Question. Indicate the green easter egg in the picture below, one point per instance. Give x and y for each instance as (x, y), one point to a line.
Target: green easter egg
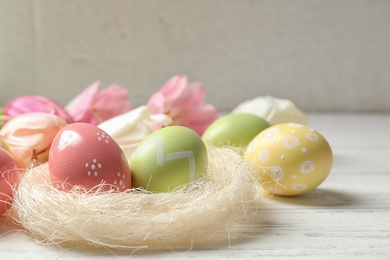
(168, 158)
(234, 130)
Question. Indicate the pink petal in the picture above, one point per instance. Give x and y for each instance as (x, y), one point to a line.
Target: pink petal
(174, 87)
(193, 94)
(157, 103)
(28, 104)
(111, 102)
(79, 107)
(198, 118)
(184, 103)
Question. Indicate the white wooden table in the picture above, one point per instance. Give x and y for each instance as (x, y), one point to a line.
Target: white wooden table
(347, 217)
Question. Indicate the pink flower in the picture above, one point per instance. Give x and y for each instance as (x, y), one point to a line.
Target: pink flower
(29, 136)
(28, 104)
(184, 103)
(94, 106)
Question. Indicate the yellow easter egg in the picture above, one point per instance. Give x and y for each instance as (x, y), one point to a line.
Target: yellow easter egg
(291, 159)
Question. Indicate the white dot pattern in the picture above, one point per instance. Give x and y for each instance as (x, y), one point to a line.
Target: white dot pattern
(92, 168)
(307, 167)
(312, 136)
(290, 142)
(275, 190)
(252, 146)
(103, 137)
(263, 155)
(277, 173)
(121, 180)
(299, 186)
(93, 171)
(271, 132)
(295, 125)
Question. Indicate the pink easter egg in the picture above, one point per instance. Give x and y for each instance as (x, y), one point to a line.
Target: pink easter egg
(84, 155)
(10, 174)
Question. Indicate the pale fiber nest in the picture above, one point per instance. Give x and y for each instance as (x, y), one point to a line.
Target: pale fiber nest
(136, 219)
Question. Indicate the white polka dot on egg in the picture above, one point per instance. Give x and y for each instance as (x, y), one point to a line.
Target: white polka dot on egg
(263, 155)
(294, 158)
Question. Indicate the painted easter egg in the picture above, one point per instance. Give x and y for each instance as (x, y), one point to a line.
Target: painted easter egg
(168, 158)
(84, 155)
(291, 159)
(10, 174)
(234, 130)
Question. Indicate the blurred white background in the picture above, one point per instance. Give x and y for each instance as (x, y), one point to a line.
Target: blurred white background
(324, 55)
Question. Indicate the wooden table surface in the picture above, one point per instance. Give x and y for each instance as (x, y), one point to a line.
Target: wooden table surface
(346, 217)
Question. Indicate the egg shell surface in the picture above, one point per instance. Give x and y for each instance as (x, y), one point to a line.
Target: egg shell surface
(84, 155)
(10, 174)
(235, 129)
(291, 159)
(168, 158)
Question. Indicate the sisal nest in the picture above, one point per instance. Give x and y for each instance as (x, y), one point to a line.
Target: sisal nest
(137, 219)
